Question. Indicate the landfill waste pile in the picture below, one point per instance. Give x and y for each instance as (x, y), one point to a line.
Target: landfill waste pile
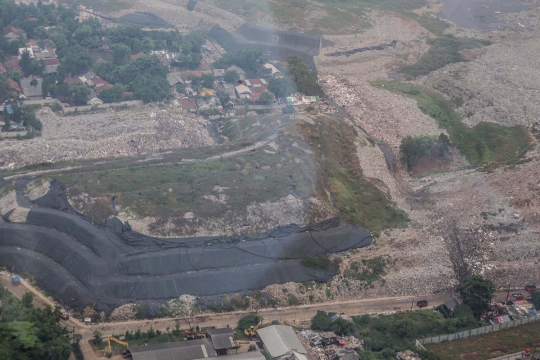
(109, 264)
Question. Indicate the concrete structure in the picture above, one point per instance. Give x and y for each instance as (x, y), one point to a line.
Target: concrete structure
(280, 340)
(32, 92)
(219, 72)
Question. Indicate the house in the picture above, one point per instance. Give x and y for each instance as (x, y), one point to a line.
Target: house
(51, 66)
(256, 82)
(218, 73)
(14, 88)
(100, 88)
(241, 73)
(242, 91)
(12, 33)
(27, 49)
(223, 339)
(280, 340)
(97, 82)
(47, 53)
(136, 56)
(175, 79)
(94, 101)
(12, 64)
(30, 91)
(73, 81)
(90, 75)
(270, 70)
(3, 69)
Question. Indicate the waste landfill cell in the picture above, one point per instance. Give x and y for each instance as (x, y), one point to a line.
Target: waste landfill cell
(109, 264)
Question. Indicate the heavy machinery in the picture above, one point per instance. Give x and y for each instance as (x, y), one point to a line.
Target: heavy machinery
(108, 350)
(193, 335)
(252, 330)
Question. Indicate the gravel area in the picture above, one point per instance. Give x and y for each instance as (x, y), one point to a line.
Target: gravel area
(105, 134)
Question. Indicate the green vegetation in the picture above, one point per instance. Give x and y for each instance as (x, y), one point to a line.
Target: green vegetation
(444, 50)
(248, 59)
(369, 270)
(322, 322)
(303, 77)
(412, 149)
(484, 144)
(23, 116)
(27, 333)
(477, 292)
(489, 346)
(385, 335)
(357, 198)
(248, 320)
(316, 262)
(170, 189)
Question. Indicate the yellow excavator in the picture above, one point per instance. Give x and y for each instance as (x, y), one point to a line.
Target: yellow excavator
(252, 330)
(108, 350)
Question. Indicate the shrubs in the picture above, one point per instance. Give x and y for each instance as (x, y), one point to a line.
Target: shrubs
(316, 262)
(248, 320)
(412, 149)
(444, 50)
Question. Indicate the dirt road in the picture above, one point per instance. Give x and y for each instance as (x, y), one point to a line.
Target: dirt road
(291, 315)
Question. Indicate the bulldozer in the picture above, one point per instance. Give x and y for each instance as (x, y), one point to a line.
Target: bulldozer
(108, 350)
(252, 330)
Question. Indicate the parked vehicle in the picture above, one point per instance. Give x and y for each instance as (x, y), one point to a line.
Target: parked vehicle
(422, 303)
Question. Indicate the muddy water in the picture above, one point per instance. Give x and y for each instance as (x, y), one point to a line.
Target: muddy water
(480, 14)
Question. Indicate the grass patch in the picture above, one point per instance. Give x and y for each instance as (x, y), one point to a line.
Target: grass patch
(444, 50)
(368, 270)
(432, 24)
(487, 144)
(316, 262)
(167, 190)
(357, 198)
(491, 345)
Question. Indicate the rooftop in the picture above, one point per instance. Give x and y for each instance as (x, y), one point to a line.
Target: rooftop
(222, 338)
(180, 350)
(280, 339)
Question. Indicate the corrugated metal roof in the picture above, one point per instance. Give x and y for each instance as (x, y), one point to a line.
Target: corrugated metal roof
(180, 350)
(252, 355)
(280, 339)
(223, 341)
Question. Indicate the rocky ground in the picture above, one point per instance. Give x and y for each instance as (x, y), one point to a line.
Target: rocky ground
(105, 134)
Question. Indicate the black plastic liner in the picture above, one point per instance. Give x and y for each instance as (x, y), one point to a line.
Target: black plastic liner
(109, 264)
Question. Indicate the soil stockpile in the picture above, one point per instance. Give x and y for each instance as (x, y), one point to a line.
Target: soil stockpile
(109, 264)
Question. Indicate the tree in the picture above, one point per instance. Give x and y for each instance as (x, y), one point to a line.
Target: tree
(225, 100)
(207, 81)
(149, 88)
(77, 338)
(249, 320)
(266, 98)
(282, 87)
(83, 35)
(477, 292)
(34, 84)
(15, 75)
(231, 76)
(112, 95)
(97, 337)
(321, 321)
(304, 78)
(27, 300)
(120, 52)
(76, 60)
(79, 94)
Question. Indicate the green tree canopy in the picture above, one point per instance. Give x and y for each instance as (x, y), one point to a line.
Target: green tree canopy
(477, 292)
(231, 76)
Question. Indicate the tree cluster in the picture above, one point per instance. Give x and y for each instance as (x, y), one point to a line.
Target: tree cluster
(413, 149)
(28, 333)
(249, 59)
(304, 77)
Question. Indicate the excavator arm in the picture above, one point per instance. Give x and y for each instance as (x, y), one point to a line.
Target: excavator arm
(109, 349)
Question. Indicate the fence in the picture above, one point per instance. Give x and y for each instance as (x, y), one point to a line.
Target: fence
(478, 331)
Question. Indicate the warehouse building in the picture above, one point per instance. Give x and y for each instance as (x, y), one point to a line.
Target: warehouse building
(280, 341)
